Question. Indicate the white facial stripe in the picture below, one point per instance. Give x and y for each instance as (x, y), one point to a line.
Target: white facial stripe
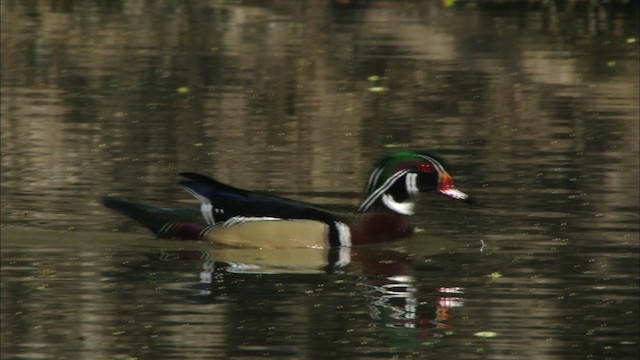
(411, 182)
(373, 179)
(433, 161)
(405, 208)
(381, 190)
(372, 198)
(205, 206)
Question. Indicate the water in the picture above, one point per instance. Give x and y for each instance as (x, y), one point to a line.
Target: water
(534, 105)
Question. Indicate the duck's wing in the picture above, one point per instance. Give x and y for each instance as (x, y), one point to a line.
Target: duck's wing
(220, 202)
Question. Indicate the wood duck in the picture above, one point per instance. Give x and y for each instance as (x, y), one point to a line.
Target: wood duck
(241, 218)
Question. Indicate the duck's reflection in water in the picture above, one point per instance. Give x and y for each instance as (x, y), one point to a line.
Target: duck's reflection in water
(381, 276)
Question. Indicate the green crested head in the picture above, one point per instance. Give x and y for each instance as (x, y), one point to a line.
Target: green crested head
(401, 175)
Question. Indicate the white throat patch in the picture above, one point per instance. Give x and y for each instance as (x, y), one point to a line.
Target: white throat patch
(404, 208)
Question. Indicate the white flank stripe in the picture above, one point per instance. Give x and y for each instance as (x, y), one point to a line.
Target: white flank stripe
(244, 219)
(344, 257)
(373, 179)
(205, 209)
(344, 234)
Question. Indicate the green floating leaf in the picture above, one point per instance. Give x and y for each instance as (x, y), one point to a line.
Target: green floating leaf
(183, 90)
(486, 334)
(494, 275)
(611, 63)
(373, 78)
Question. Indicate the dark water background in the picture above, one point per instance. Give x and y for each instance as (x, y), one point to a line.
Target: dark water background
(535, 104)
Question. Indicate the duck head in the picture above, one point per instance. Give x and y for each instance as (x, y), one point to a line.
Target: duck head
(397, 178)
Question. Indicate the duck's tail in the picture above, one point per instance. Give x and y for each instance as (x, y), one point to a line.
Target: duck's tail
(176, 223)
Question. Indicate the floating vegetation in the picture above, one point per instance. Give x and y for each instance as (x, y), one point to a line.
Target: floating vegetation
(373, 78)
(378, 89)
(486, 334)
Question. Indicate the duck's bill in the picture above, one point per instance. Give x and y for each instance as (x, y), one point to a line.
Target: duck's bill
(446, 188)
(457, 195)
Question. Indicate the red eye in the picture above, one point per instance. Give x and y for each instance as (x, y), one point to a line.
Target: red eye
(425, 167)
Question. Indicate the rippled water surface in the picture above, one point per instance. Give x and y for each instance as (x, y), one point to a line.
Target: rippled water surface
(534, 104)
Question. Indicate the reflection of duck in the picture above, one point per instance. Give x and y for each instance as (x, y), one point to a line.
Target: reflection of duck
(376, 261)
(243, 218)
(393, 296)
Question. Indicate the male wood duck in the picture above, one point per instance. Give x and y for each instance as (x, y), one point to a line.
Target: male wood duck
(241, 218)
